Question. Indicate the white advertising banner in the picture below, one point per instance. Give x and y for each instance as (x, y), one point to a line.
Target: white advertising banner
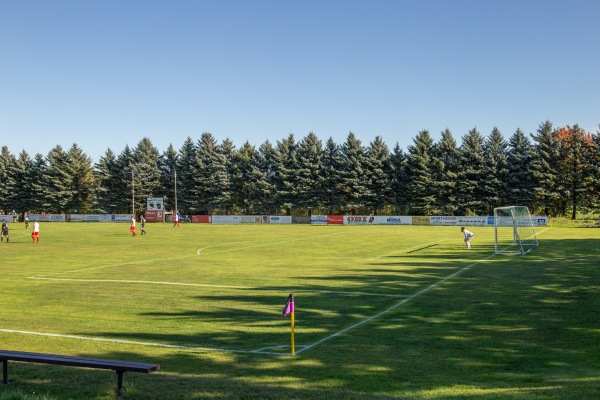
(47, 217)
(358, 219)
(318, 219)
(395, 220)
(249, 219)
(225, 219)
(280, 219)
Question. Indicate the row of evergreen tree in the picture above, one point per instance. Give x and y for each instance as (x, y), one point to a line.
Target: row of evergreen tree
(554, 172)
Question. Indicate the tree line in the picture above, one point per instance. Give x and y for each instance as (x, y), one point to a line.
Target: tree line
(554, 171)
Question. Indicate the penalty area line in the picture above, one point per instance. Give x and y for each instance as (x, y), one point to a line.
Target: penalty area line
(364, 321)
(137, 343)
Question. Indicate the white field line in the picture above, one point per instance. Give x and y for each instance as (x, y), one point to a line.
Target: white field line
(264, 244)
(218, 286)
(170, 346)
(407, 250)
(364, 321)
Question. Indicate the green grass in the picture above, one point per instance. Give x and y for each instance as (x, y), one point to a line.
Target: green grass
(205, 302)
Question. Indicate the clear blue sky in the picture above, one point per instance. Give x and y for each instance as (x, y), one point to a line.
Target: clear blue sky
(108, 73)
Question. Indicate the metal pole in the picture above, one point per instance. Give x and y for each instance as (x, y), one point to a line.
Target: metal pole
(175, 192)
(132, 194)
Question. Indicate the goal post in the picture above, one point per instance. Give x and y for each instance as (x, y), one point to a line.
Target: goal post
(513, 230)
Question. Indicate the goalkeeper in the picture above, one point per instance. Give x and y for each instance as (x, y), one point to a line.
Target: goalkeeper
(468, 236)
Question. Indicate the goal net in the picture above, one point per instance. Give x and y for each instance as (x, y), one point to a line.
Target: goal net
(513, 229)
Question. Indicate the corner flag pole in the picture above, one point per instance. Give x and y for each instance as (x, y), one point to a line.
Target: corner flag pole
(289, 309)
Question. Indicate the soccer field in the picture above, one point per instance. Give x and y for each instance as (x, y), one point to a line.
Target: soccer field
(380, 311)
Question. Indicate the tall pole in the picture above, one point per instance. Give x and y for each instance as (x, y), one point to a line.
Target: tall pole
(175, 192)
(132, 195)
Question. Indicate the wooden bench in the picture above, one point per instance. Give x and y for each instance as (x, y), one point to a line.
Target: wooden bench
(73, 361)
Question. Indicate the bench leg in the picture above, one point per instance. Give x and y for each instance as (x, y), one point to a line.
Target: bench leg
(119, 383)
(5, 371)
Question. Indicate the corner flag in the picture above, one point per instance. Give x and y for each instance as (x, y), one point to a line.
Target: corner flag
(289, 309)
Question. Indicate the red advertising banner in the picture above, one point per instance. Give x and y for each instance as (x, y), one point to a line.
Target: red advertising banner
(155, 215)
(202, 219)
(335, 220)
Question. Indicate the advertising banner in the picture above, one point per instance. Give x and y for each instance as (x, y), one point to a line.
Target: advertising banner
(155, 215)
(202, 219)
(539, 220)
(47, 217)
(280, 219)
(395, 220)
(300, 219)
(444, 220)
(250, 219)
(418, 220)
(225, 219)
(335, 220)
(475, 221)
(358, 219)
(318, 219)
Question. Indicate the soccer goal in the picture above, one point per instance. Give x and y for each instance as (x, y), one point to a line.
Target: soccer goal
(514, 231)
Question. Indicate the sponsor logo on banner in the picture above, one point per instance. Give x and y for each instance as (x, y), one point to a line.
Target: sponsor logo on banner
(249, 219)
(418, 220)
(225, 219)
(473, 221)
(202, 219)
(47, 217)
(398, 220)
(277, 219)
(359, 220)
(318, 219)
(155, 215)
(335, 219)
(300, 219)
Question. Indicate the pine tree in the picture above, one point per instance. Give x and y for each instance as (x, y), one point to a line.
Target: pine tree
(37, 183)
(82, 182)
(168, 166)
(445, 166)
(22, 196)
(108, 177)
(125, 189)
(520, 182)
(186, 162)
(58, 179)
(309, 189)
(472, 173)
(420, 166)
(378, 170)
(285, 177)
(145, 165)
(400, 181)
(250, 185)
(211, 178)
(545, 169)
(353, 180)
(495, 171)
(267, 164)
(332, 165)
(595, 171)
(7, 160)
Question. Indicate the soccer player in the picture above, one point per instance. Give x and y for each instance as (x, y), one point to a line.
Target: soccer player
(142, 224)
(4, 231)
(35, 235)
(26, 219)
(176, 217)
(132, 228)
(468, 236)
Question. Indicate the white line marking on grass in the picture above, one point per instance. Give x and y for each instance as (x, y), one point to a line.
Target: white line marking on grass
(263, 244)
(408, 249)
(428, 288)
(218, 286)
(122, 341)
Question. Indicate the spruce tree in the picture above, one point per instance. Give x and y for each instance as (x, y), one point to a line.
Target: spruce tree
(185, 178)
(38, 186)
(285, 177)
(267, 165)
(472, 172)
(445, 169)
(125, 189)
(353, 180)
(520, 181)
(168, 166)
(309, 190)
(545, 168)
(146, 161)
(7, 161)
(378, 170)
(108, 178)
(211, 179)
(400, 181)
(496, 172)
(420, 167)
(332, 165)
(250, 186)
(82, 181)
(58, 179)
(22, 196)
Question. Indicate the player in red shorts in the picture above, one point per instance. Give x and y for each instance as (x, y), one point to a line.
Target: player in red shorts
(132, 229)
(35, 235)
